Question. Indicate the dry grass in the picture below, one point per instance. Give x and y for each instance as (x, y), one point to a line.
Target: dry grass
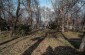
(4, 37)
(52, 41)
(71, 34)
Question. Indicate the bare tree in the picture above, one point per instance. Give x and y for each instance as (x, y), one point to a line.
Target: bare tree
(30, 11)
(17, 16)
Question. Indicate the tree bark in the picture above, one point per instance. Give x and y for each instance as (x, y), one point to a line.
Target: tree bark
(30, 11)
(82, 45)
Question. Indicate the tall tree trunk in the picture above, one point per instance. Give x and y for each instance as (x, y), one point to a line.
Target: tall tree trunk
(0, 13)
(62, 15)
(17, 16)
(82, 45)
(30, 11)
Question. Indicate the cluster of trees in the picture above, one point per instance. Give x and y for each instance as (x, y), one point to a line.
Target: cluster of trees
(67, 14)
(18, 13)
(26, 15)
(70, 14)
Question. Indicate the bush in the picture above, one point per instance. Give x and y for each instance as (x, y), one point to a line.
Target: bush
(22, 29)
(52, 25)
(3, 24)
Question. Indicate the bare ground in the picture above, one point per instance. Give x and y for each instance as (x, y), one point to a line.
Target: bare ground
(34, 44)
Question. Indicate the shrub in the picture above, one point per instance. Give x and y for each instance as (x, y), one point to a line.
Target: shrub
(3, 24)
(52, 25)
(22, 29)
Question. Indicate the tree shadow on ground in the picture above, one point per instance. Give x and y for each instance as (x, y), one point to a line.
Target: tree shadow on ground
(61, 50)
(17, 38)
(73, 41)
(8, 40)
(13, 43)
(49, 51)
(34, 31)
(34, 46)
(65, 50)
(36, 38)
